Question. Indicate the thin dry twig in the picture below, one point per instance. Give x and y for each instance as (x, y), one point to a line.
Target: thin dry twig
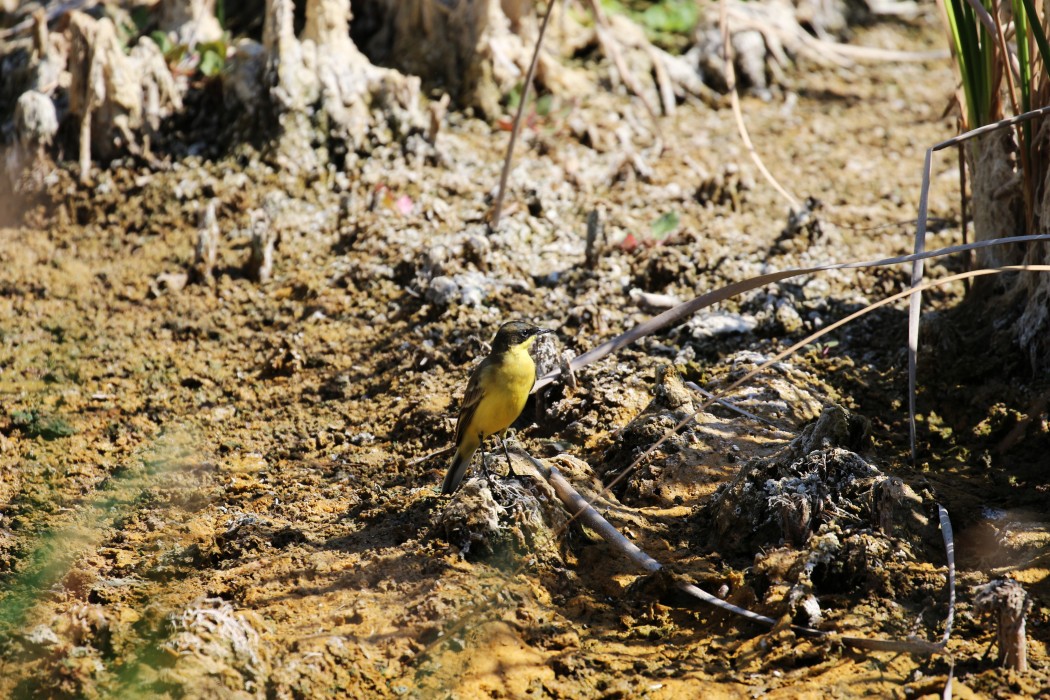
(915, 302)
(497, 207)
(738, 114)
(949, 555)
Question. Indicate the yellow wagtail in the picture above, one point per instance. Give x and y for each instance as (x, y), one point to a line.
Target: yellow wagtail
(496, 393)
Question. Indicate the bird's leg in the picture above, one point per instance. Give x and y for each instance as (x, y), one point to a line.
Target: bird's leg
(484, 464)
(510, 467)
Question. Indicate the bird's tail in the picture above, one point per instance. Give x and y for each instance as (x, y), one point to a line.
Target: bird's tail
(457, 469)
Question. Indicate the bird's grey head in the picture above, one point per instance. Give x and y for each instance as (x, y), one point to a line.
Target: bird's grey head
(514, 333)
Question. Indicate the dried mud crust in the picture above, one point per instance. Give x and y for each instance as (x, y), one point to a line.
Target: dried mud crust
(213, 489)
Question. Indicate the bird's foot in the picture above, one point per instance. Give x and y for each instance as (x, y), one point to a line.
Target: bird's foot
(506, 453)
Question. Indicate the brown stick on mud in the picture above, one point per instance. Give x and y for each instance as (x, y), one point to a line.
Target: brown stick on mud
(1007, 600)
(579, 508)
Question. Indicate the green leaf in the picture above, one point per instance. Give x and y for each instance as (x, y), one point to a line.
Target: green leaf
(666, 224)
(176, 54)
(514, 98)
(676, 16)
(162, 41)
(544, 105)
(212, 62)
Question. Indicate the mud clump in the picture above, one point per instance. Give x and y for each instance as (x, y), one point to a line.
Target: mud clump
(672, 403)
(472, 519)
(488, 515)
(809, 486)
(823, 519)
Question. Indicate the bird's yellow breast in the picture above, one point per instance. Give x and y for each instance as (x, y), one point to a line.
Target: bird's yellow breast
(507, 383)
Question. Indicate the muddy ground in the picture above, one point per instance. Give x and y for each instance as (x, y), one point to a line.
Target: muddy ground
(217, 490)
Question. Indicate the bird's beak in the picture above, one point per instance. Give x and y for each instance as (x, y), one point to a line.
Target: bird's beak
(543, 331)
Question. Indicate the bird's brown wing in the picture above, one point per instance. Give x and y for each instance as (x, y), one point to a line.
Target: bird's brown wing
(471, 399)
